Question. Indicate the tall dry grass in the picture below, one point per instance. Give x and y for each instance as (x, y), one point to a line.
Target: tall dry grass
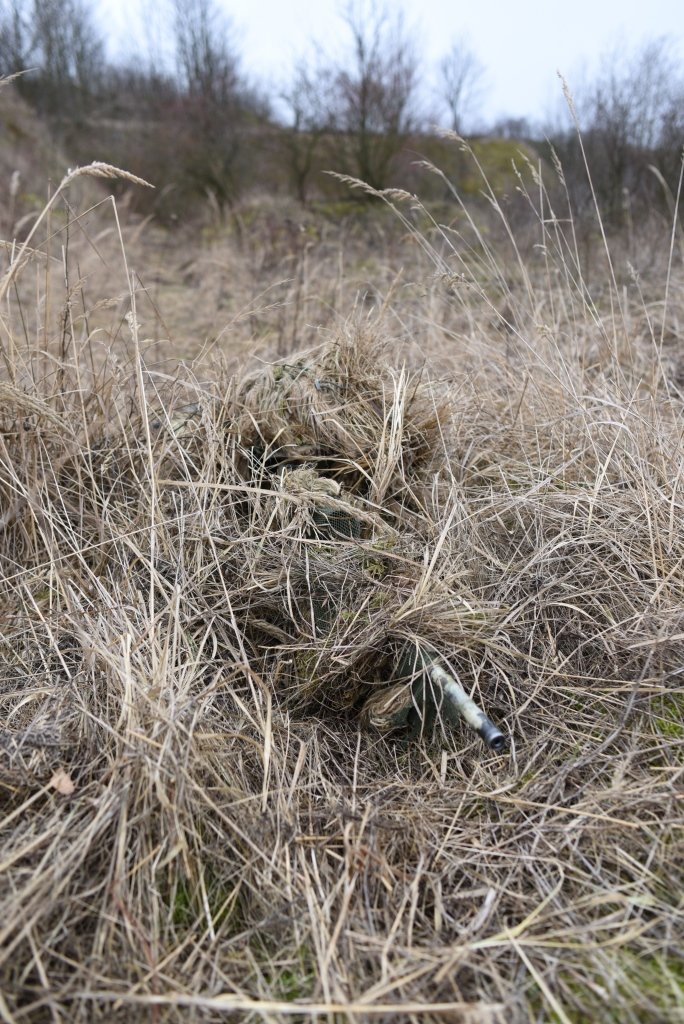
(194, 825)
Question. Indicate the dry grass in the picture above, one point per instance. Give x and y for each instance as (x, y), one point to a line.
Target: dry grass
(195, 827)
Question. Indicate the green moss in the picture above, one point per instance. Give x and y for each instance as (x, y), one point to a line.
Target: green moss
(339, 209)
(306, 664)
(291, 978)
(375, 568)
(388, 543)
(348, 615)
(496, 158)
(668, 716)
(182, 913)
(652, 987)
(292, 984)
(186, 903)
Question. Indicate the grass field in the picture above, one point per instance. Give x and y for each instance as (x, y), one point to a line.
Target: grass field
(195, 824)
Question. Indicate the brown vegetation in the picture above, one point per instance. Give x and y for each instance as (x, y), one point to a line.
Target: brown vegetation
(194, 825)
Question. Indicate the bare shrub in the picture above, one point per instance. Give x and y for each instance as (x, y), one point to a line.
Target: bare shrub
(630, 115)
(462, 83)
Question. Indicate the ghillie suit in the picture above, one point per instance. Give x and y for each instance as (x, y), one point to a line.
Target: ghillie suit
(352, 450)
(293, 525)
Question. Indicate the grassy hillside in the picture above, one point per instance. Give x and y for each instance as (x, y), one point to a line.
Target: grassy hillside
(387, 438)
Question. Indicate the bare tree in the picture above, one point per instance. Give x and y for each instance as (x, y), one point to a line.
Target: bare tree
(15, 37)
(309, 121)
(372, 96)
(215, 101)
(208, 65)
(631, 117)
(669, 151)
(462, 84)
(59, 39)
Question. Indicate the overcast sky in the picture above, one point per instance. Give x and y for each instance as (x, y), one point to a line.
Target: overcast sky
(521, 43)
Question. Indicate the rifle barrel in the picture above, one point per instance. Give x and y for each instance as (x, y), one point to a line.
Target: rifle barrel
(460, 701)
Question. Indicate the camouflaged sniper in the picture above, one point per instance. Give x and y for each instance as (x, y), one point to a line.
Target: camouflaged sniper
(340, 440)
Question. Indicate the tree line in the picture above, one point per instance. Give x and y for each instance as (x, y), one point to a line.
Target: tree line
(197, 126)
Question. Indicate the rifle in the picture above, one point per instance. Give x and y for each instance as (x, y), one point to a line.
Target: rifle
(426, 693)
